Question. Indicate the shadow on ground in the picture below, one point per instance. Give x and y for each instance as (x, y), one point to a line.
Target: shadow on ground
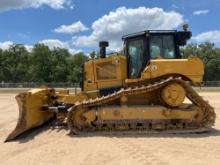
(54, 127)
(158, 134)
(51, 126)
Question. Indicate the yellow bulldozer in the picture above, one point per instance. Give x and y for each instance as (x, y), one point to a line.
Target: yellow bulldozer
(142, 89)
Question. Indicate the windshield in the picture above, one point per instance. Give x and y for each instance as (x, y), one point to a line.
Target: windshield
(135, 53)
(162, 46)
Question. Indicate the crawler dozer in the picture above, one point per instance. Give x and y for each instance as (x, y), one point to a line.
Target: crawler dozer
(142, 89)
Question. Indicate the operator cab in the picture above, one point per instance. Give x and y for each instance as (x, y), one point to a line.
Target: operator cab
(140, 47)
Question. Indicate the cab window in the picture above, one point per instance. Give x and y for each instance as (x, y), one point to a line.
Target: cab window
(162, 46)
(135, 54)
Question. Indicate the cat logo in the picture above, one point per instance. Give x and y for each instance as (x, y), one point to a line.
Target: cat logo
(154, 67)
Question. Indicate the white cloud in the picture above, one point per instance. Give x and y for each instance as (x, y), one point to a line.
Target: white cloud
(73, 28)
(29, 47)
(20, 4)
(178, 6)
(122, 21)
(5, 45)
(74, 51)
(211, 36)
(55, 43)
(200, 12)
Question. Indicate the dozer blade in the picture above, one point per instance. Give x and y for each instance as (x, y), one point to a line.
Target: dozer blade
(31, 114)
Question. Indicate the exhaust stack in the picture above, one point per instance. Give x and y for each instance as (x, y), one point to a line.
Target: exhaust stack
(103, 45)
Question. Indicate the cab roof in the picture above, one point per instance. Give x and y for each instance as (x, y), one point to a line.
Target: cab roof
(142, 33)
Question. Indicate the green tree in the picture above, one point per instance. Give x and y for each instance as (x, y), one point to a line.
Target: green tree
(213, 70)
(41, 64)
(75, 63)
(93, 55)
(210, 56)
(15, 63)
(1, 66)
(60, 64)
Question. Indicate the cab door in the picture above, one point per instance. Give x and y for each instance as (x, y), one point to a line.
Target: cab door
(136, 55)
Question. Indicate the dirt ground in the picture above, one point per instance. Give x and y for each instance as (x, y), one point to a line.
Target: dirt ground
(54, 146)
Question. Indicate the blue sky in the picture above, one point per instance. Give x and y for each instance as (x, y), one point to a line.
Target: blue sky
(78, 25)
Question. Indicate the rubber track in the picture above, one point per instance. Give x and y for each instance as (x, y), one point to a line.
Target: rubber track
(207, 109)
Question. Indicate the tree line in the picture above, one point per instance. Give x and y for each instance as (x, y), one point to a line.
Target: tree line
(39, 65)
(58, 65)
